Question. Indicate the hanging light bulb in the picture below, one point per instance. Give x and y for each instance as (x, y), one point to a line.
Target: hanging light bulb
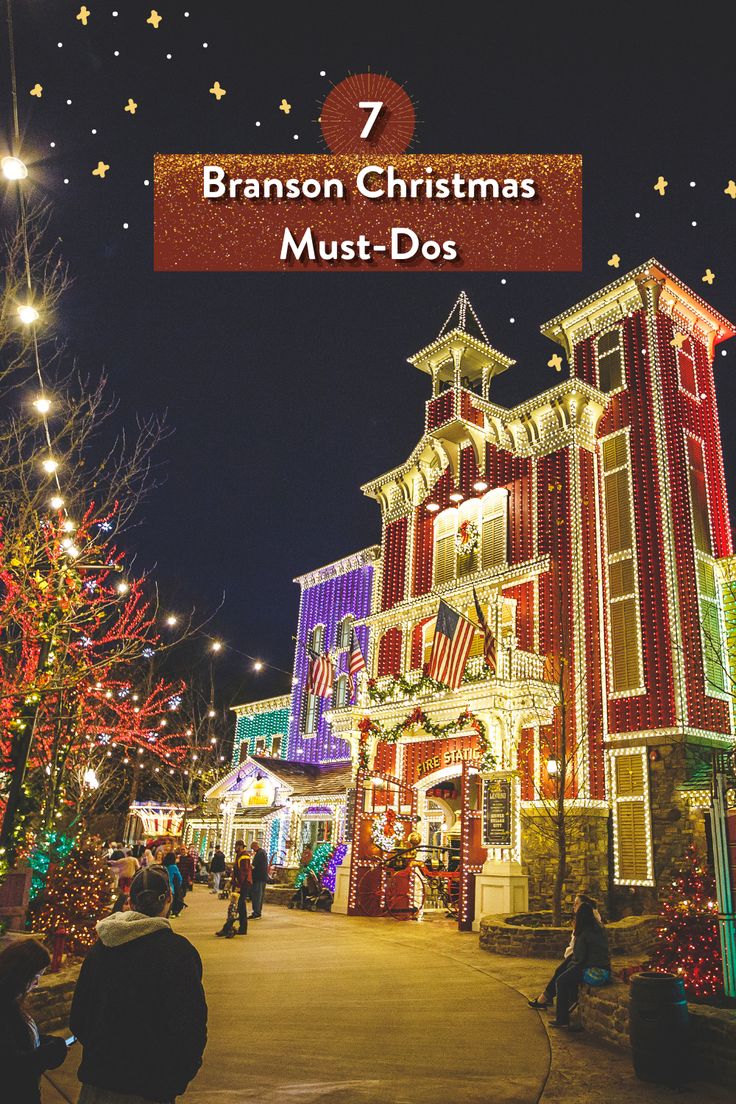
(432, 507)
(456, 496)
(552, 766)
(216, 645)
(171, 620)
(13, 168)
(258, 665)
(56, 502)
(211, 713)
(90, 779)
(42, 404)
(27, 314)
(68, 526)
(49, 465)
(122, 588)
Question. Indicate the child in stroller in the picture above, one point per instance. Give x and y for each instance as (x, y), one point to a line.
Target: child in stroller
(311, 895)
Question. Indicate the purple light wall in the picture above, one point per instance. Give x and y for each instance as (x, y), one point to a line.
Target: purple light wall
(326, 603)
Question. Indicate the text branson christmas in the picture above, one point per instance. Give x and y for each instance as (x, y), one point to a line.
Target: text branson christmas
(373, 182)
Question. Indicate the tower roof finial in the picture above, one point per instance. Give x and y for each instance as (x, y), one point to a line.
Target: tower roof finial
(460, 313)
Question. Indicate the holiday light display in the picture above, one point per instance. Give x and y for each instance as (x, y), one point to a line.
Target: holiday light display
(78, 892)
(316, 864)
(687, 941)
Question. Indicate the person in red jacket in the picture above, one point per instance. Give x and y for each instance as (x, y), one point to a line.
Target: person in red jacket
(240, 884)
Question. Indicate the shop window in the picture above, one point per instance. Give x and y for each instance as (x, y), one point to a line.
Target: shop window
(631, 819)
(686, 370)
(276, 746)
(623, 607)
(260, 747)
(610, 355)
(344, 633)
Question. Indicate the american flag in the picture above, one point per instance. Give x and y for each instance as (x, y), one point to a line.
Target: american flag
(453, 639)
(489, 640)
(321, 676)
(357, 662)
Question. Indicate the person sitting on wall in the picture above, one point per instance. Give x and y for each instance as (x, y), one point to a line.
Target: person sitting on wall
(545, 998)
(590, 962)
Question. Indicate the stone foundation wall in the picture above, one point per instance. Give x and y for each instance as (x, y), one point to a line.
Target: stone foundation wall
(674, 826)
(50, 1003)
(605, 1013)
(633, 936)
(587, 855)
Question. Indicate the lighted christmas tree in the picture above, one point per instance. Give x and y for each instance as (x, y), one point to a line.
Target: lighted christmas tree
(687, 941)
(77, 895)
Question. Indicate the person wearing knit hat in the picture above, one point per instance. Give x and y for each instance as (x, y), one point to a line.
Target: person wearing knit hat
(140, 972)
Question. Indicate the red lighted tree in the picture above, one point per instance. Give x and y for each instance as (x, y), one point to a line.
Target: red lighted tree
(687, 941)
(77, 894)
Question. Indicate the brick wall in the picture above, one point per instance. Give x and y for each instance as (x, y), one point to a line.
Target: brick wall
(50, 1003)
(587, 855)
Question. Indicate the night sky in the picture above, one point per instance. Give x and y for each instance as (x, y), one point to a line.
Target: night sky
(289, 391)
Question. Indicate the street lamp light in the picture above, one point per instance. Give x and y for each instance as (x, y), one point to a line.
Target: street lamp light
(552, 767)
(27, 314)
(13, 168)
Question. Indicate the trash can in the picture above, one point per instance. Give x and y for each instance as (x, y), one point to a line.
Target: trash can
(659, 1028)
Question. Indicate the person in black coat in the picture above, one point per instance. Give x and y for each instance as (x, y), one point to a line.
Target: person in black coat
(140, 976)
(24, 1053)
(260, 877)
(217, 868)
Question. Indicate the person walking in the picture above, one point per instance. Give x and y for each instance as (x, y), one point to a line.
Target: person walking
(240, 883)
(175, 880)
(140, 974)
(217, 868)
(187, 870)
(260, 877)
(24, 1053)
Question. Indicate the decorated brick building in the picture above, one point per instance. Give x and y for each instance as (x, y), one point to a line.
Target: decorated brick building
(591, 525)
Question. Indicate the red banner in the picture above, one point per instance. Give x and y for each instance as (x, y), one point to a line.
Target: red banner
(325, 212)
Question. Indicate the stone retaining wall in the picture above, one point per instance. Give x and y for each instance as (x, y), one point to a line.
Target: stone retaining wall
(50, 1003)
(634, 935)
(605, 1013)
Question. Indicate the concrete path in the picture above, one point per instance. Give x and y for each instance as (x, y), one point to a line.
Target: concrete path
(359, 1011)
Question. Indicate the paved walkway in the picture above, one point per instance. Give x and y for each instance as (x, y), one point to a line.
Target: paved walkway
(354, 1010)
(385, 1012)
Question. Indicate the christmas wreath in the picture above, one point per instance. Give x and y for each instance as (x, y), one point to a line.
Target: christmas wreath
(419, 719)
(388, 831)
(466, 538)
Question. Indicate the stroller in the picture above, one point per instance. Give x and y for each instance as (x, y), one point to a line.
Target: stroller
(311, 895)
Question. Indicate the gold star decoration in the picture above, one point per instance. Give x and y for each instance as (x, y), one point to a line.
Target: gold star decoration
(679, 340)
(614, 261)
(730, 190)
(285, 106)
(709, 276)
(100, 170)
(83, 15)
(154, 19)
(661, 185)
(37, 90)
(555, 362)
(131, 107)
(218, 91)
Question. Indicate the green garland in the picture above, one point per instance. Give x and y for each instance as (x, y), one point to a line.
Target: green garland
(419, 719)
(423, 685)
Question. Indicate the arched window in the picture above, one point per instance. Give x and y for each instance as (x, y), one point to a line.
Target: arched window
(444, 546)
(344, 633)
(316, 639)
(493, 529)
(342, 691)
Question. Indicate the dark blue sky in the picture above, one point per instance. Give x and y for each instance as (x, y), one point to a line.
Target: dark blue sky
(289, 391)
